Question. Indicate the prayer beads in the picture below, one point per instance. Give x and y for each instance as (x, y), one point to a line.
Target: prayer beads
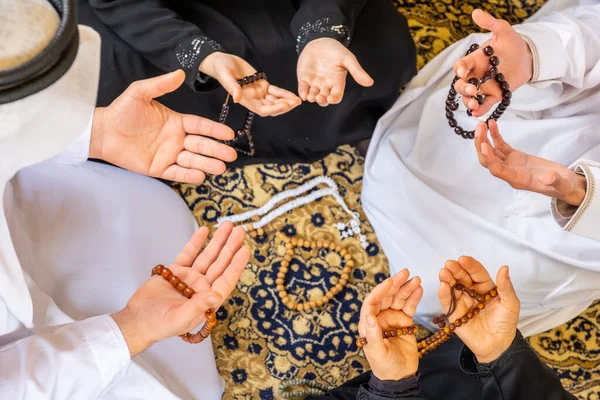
(188, 292)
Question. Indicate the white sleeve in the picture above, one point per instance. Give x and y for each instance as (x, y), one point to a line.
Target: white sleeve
(80, 360)
(565, 45)
(78, 151)
(585, 219)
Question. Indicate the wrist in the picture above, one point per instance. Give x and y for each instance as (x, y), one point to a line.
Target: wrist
(395, 373)
(98, 133)
(499, 349)
(207, 65)
(132, 331)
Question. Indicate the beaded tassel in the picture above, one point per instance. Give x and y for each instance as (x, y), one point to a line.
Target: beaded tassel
(188, 292)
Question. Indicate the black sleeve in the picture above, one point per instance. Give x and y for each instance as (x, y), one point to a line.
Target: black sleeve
(375, 389)
(325, 18)
(159, 34)
(518, 374)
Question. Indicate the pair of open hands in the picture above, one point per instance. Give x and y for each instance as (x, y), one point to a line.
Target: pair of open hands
(139, 134)
(520, 170)
(392, 304)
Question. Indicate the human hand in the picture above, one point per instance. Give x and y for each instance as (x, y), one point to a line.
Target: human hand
(322, 69)
(137, 133)
(391, 304)
(516, 64)
(492, 332)
(526, 172)
(260, 97)
(157, 311)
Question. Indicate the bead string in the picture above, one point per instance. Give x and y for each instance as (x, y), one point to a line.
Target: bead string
(446, 330)
(291, 244)
(245, 131)
(346, 229)
(452, 103)
(312, 388)
(187, 292)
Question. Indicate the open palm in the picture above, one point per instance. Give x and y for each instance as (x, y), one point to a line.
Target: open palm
(213, 274)
(493, 330)
(526, 172)
(393, 304)
(141, 135)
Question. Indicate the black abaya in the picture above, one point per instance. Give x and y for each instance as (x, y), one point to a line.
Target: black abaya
(144, 38)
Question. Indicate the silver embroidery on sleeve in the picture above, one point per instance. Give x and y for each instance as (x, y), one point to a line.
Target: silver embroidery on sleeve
(341, 32)
(187, 54)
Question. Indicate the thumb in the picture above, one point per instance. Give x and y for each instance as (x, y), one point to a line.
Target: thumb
(356, 70)
(376, 347)
(196, 307)
(551, 178)
(506, 291)
(159, 85)
(488, 22)
(231, 85)
(444, 295)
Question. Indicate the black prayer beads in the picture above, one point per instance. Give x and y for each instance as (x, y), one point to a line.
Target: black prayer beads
(245, 131)
(492, 73)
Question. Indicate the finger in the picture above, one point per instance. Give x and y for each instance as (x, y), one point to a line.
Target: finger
(495, 166)
(372, 303)
(187, 159)
(212, 251)
(265, 110)
(475, 270)
(312, 94)
(458, 273)
(405, 292)
(506, 290)
(444, 293)
(375, 347)
(486, 106)
(233, 245)
(411, 304)
(471, 104)
(157, 86)
(230, 277)
(488, 22)
(480, 138)
(322, 97)
(209, 148)
(552, 179)
(464, 88)
(499, 142)
(191, 250)
(463, 67)
(195, 125)
(230, 84)
(195, 308)
(336, 94)
(283, 94)
(177, 173)
(356, 71)
(303, 88)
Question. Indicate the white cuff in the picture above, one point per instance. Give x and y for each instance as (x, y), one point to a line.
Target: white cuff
(549, 58)
(77, 152)
(585, 219)
(108, 347)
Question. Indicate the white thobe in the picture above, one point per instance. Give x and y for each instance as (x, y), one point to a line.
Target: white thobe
(80, 239)
(429, 200)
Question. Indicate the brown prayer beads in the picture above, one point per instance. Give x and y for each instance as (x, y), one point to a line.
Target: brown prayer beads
(290, 245)
(452, 102)
(446, 330)
(188, 292)
(245, 131)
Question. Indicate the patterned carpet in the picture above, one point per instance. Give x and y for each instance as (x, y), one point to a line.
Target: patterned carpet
(259, 342)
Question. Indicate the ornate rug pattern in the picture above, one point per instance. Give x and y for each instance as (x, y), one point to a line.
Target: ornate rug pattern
(259, 342)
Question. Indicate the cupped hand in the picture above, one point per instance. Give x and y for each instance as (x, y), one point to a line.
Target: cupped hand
(391, 304)
(138, 133)
(157, 311)
(516, 63)
(526, 172)
(322, 69)
(492, 331)
(260, 97)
